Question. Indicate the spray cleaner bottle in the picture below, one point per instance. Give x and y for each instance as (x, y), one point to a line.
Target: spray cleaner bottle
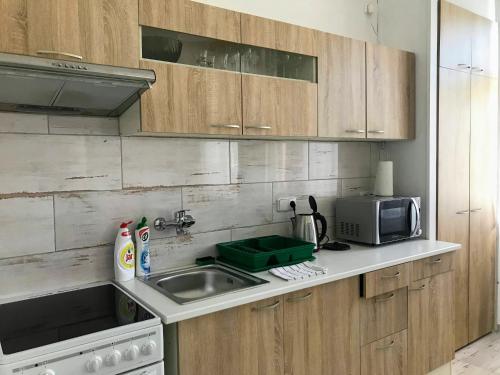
(124, 254)
(142, 263)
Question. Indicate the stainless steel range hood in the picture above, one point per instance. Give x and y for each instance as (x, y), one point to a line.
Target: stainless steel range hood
(38, 85)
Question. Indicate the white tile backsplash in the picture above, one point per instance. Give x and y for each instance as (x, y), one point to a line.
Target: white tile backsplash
(174, 162)
(357, 186)
(268, 161)
(71, 189)
(26, 226)
(228, 206)
(45, 163)
(93, 218)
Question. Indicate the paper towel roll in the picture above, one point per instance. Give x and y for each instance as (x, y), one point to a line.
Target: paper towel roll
(383, 181)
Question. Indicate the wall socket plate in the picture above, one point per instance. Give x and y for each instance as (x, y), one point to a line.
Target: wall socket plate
(283, 204)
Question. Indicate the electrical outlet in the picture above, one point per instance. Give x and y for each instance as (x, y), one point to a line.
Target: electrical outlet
(283, 204)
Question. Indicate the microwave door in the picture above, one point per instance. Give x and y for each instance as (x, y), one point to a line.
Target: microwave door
(395, 220)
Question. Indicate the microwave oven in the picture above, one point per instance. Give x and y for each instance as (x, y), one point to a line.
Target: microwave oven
(377, 220)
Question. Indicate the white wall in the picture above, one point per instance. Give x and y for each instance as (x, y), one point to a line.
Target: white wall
(485, 8)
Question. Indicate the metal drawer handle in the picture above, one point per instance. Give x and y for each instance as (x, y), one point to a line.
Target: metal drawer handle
(477, 69)
(385, 299)
(359, 131)
(439, 260)
(476, 210)
(376, 131)
(268, 307)
(466, 66)
(397, 274)
(419, 288)
(387, 346)
(230, 126)
(301, 298)
(263, 127)
(463, 212)
(67, 54)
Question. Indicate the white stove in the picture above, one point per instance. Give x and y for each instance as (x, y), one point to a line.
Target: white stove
(92, 330)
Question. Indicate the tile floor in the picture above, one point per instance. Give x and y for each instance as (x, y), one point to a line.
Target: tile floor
(480, 358)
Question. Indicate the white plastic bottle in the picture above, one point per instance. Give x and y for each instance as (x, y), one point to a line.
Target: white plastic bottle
(142, 262)
(124, 254)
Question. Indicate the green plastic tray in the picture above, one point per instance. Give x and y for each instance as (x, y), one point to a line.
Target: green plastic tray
(262, 253)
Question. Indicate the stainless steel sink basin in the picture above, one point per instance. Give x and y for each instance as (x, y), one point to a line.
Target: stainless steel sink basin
(202, 282)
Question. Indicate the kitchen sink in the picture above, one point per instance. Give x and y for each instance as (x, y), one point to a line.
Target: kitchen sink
(202, 282)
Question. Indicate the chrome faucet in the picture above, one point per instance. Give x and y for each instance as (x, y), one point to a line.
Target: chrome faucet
(181, 223)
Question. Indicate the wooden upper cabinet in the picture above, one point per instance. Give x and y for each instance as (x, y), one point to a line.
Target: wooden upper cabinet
(390, 92)
(279, 107)
(483, 156)
(191, 100)
(341, 87)
(191, 17)
(264, 32)
(484, 47)
(13, 26)
(453, 183)
(95, 31)
(455, 37)
(321, 329)
(246, 340)
(430, 324)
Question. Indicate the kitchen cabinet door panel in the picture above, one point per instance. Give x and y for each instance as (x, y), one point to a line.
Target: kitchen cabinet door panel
(341, 87)
(264, 32)
(484, 47)
(455, 37)
(453, 182)
(279, 107)
(321, 330)
(191, 17)
(13, 26)
(482, 275)
(390, 93)
(245, 340)
(430, 324)
(388, 356)
(191, 100)
(109, 32)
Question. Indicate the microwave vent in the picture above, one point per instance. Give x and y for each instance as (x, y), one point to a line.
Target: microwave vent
(349, 229)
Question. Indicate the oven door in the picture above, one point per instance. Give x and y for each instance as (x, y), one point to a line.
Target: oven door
(398, 219)
(156, 369)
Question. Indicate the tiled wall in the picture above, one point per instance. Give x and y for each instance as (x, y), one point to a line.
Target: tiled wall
(67, 183)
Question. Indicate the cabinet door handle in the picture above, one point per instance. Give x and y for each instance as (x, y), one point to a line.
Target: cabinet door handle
(262, 127)
(476, 210)
(301, 298)
(387, 346)
(422, 287)
(464, 66)
(376, 131)
(396, 275)
(463, 212)
(268, 307)
(358, 131)
(438, 260)
(385, 299)
(477, 69)
(66, 54)
(229, 126)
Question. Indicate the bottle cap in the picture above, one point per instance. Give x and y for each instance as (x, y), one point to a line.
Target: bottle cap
(125, 225)
(142, 224)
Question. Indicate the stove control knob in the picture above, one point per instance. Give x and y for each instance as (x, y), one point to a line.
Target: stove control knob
(94, 364)
(148, 348)
(132, 353)
(48, 372)
(113, 358)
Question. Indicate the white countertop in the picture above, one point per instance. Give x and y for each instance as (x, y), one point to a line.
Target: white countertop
(343, 264)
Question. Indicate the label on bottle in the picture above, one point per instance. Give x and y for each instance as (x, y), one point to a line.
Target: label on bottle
(144, 257)
(127, 258)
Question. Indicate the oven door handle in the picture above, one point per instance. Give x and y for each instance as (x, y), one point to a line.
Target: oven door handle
(415, 231)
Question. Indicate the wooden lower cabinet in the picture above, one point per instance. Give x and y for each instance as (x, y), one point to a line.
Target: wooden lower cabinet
(321, 330)
(430, 323)
(387, 356)
(246, 340)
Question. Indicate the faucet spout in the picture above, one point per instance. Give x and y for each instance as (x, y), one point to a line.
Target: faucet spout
(181, 222)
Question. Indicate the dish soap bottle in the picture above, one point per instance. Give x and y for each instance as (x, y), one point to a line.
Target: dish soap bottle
(142, 262)
(124, 254)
